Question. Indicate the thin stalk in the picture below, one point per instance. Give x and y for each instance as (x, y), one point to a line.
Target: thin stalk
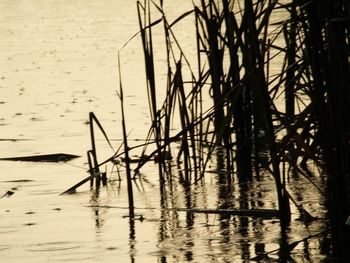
(126, 149)
(146, 36)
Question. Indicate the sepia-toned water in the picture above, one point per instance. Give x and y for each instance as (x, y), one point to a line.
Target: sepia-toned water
(58, 62)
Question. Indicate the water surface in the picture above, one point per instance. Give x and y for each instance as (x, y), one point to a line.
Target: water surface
(58, 62)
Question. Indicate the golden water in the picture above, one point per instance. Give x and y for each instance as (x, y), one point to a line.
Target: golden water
(58, 62)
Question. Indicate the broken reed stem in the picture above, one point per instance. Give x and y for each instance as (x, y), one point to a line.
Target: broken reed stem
(96, 169)
(91, 167)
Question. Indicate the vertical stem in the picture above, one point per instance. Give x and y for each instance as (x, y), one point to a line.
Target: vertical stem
(146, 36)
(91, 168)
(290, 75)
(126, 148)
(291, 54)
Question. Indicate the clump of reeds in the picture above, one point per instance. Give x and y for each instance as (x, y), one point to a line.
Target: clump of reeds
(237, 44)
(240, 119)
(326, 46)
(264, 114)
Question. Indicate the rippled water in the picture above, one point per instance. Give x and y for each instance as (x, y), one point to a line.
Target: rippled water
(58, 62)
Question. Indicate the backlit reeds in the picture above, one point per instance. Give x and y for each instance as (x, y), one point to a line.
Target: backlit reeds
(274, 75)
(237, 45)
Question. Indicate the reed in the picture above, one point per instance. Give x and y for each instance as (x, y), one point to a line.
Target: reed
(93, 154)
(144, 16)
(126, 148)
(91, 167)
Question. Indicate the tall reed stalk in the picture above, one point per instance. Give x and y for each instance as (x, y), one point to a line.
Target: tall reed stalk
(126, 148)
(144, 16)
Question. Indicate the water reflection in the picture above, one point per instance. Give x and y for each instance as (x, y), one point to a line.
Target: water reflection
(188, 236)
(132, 241)
(64, 86)
(94, 199)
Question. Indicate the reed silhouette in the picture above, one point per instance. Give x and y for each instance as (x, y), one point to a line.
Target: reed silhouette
(237, 45)
(278, 97)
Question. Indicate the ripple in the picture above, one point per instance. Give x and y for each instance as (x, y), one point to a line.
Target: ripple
(4, 247)
(45, 192)
(53, 246)
(72, 258)
(8, 229)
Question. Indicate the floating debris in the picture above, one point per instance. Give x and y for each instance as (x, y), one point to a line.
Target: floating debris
(56, 157)
(30, 213)
(19, 181)
(7, 194)
(29, 224)
(12, 139)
